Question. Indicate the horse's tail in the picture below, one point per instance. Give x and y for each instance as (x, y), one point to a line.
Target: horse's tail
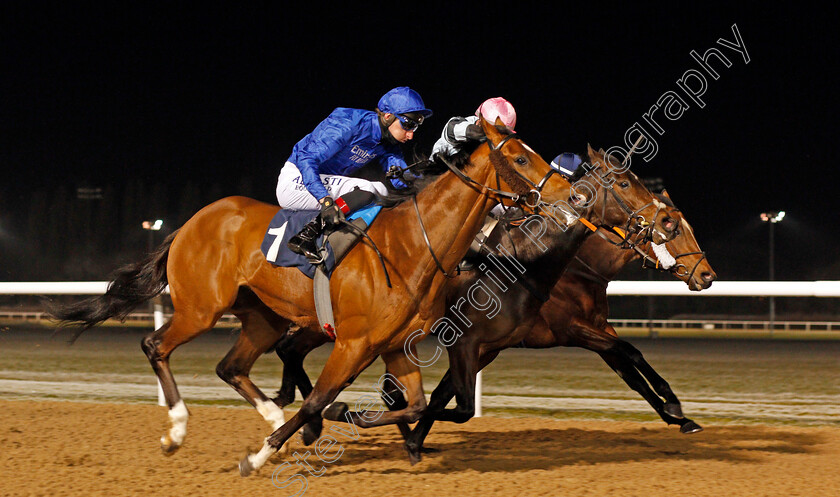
(130, 286)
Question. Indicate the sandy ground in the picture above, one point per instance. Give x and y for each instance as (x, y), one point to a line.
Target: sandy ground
(69, 448)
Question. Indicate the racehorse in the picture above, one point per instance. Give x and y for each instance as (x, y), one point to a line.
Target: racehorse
(576, 316)
(213, 264)
(619, 200)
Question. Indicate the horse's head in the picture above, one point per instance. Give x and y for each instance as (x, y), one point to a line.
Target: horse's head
(614, 197)
(691, 264)
(515, 172)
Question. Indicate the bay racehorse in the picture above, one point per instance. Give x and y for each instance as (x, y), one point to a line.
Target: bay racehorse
(213, 264)
(576, 316)
(542, 251)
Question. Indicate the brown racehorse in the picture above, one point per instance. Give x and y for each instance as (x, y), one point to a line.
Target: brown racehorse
(213, 265)
(620, 200)
(576, 316)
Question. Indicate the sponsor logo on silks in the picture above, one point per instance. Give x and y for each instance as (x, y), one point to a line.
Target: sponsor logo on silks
(360, 155)
(329, 181)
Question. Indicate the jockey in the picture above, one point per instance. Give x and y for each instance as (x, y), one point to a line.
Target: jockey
(316, 175)
(461, 130)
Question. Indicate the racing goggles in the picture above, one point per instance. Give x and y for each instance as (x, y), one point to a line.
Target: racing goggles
(410, 122)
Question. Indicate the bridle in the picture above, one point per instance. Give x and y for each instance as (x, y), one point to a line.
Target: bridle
(532, 198)
(680, 270)
(634, 219)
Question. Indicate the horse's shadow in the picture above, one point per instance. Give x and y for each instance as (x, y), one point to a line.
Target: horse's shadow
(525, 450)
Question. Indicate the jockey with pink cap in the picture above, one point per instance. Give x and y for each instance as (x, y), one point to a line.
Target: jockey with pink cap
(459, 131)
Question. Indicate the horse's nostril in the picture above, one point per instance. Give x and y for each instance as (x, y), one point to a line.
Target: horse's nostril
(707, 276)
(668, 224)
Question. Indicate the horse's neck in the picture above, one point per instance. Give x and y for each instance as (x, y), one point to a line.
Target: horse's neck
(452, 212)
(603, 258)
(545, 264)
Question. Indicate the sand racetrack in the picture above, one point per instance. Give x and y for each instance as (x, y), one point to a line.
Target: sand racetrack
(77, 448)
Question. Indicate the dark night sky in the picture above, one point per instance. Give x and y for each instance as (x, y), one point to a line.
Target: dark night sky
(113, 94)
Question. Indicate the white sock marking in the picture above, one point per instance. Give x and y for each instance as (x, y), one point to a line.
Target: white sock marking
(178, 416)
(271, 412)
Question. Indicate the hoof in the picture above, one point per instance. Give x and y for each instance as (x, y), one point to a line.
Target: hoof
(245, 467)
(310, 434)
(673, 409)
(167, 447)
(285, 449)
(335, 411)
(690, 427)
(414, 453)
(283, 398)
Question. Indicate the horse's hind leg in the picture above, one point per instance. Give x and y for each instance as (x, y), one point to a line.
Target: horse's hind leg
(292, 368)
(260, 330)
(292, 350)
(158, 346)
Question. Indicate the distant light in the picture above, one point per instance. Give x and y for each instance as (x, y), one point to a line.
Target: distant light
(772, 217)
(154, 226)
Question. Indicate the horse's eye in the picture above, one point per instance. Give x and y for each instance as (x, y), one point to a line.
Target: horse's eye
(624, 184)
(521, 160)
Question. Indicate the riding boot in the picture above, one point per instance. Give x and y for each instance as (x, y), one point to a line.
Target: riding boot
(305, 242)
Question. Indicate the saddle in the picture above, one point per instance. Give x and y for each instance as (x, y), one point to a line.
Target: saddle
(334, 246)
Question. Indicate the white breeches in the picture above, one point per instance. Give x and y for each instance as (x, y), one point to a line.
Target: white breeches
(292, 193)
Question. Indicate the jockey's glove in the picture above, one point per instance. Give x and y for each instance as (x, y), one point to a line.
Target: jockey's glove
(475, 133)
(330, 213)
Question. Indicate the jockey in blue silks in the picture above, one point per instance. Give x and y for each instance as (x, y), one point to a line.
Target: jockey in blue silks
(317, 174)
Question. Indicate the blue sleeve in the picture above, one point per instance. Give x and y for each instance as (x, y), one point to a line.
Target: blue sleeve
(327, 140)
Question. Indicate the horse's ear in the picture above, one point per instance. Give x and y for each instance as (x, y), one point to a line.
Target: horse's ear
(499, 124)
(591, 152)
(665, 193)
(490, 130)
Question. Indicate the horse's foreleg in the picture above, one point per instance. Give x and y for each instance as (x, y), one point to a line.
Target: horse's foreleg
(403, 377)
(441, 396)
(659, 385)
(464, 363)
(392, 396)
(292, 368)
(627, 372)
(158, 346)
(448, 388)
(345, 363)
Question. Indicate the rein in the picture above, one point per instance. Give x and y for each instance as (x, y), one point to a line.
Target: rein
(426, 237)
(364, 234)
(485, 190)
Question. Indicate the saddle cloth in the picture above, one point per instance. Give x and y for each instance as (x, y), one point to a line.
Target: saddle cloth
(287, 223)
